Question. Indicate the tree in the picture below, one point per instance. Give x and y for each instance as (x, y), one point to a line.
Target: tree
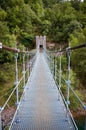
(77, 38)
(6, 56)
(4, 30)
(76, 4)
(50, 3)
(63, 16)
(5, 4)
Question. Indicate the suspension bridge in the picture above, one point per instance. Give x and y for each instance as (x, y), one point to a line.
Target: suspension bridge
(42, 105)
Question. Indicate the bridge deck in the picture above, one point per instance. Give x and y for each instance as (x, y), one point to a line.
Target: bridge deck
(40, 108)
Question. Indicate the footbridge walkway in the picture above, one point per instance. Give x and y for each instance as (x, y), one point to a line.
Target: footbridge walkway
(41, 105)
(40, 108)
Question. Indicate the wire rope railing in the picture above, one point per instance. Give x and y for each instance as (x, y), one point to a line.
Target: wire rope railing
(51, 60)
(61, 78)
(8, 110)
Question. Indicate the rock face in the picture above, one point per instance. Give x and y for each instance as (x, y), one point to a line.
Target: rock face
(7, 116)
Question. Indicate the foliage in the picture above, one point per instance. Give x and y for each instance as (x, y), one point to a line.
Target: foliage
(50, 3)
(7, 56)
(26, 40)
(56, 19)
(80, 62)
(61, 21)
(7, 73)
(63, 16)
(74, 103)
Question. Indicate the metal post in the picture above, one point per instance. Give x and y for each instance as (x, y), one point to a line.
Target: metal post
(0, 119)
(60, 72)
(24, 68)
(68, 82)
(60, 69)
(16, 81)
(29, 64)
(54, 66)
(51, 64)
(50, 61)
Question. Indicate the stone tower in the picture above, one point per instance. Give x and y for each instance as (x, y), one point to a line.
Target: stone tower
(40, 42)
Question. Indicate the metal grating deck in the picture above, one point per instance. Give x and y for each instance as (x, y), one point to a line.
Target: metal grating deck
(40, 108)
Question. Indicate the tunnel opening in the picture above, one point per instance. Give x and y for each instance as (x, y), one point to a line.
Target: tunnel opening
(41, 48)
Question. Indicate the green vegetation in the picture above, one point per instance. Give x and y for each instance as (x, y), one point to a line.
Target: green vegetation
(74, 102)
(61, 21)
(7, 79)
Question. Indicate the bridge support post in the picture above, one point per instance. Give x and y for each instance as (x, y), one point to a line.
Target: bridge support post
(0, 119)
(60, 70)
(50, 62)
(24, 68)
(16, 81)
(68, 81)
(29, 65)
(54, 67)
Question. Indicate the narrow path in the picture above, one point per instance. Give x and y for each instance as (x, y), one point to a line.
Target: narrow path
(40, 108)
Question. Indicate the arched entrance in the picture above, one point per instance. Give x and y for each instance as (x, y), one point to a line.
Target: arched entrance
(41, 48)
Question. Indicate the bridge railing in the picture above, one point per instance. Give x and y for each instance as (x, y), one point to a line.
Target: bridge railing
(50, 59)
(54, 60)
(15, 93)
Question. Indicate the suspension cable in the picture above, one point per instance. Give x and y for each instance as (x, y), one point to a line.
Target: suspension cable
(10, 49)
(13, 49)
(67, 108)
(70, 48)
(74, 48)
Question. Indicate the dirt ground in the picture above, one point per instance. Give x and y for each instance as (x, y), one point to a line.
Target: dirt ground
(7, 116)
(78, 113)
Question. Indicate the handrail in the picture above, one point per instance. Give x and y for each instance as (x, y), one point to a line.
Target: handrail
(66, 101)
(69, 48)
(68, 109)
(74, 93)
(76, 47)
(11, 95)
(19, 102)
